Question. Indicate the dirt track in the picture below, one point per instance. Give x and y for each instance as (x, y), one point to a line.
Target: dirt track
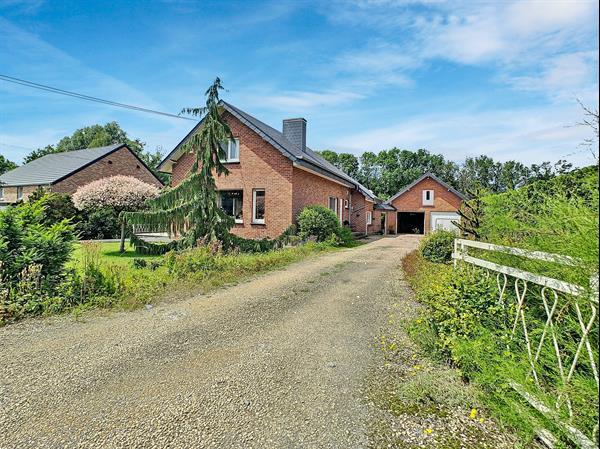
(277, 361)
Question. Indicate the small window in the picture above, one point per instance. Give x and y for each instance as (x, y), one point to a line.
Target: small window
(231, 202)
(258, 206)
(346, 204)
(369, 217)
(333, 204)
(427, 197)
(1, 193)
(19, 193)
(232, 150)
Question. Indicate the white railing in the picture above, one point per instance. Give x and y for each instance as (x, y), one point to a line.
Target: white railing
(553, 293)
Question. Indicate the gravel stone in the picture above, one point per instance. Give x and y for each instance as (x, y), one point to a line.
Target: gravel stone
(278, 361)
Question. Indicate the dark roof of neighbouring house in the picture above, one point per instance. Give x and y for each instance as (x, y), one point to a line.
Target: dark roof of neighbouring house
(425, 176)
(52, 168)
(307, 159)
(384, 206)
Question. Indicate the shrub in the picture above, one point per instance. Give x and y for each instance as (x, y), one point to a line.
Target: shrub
(33, 256)
(437, 246)
(318, 222)
(139, 263)
(57, 207)
(99, 224)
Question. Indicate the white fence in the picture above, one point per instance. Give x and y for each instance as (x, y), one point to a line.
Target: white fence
(553, 295)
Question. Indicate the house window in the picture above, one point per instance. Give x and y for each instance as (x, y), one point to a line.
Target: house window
(346, 204)
(369, 217)
(19, 193)
(258, 206)
(232, 150)
(427, 197)
(333, 204)
(231, 202)
(341, 202)
(1, 193)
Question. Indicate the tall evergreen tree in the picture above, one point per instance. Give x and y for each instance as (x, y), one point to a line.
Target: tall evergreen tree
(190, 209)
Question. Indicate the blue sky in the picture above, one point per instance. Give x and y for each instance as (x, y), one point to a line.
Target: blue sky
(457, 78)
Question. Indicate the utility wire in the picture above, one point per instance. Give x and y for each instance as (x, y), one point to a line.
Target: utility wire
(56, 90)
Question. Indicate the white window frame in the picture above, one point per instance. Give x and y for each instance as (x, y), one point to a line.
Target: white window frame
(335, 204)
(237, 220)
(369, 218)
(1, 193)
(430, 201)
(345, 204)
(228, 159)
(19, 193)
(254, 219)
(341, 210)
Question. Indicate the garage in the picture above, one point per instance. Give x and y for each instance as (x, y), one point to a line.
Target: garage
(410, 223)
(444, 220)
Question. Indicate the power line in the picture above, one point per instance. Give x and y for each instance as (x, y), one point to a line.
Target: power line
(68, 93)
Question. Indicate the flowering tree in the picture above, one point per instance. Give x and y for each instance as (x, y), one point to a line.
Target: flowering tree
(122, 193)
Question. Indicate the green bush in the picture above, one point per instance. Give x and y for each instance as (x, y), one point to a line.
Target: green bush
(437, 246)
(25, 240)
(99, 224)
(139, 263)
(57, 207)
(318, 222)
(33, 257)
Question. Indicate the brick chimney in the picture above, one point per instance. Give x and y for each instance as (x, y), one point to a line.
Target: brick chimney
(294, 130)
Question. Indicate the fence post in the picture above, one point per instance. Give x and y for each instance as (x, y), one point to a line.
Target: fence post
(455, 252)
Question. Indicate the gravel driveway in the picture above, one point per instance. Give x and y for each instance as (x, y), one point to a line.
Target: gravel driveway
(277, 361)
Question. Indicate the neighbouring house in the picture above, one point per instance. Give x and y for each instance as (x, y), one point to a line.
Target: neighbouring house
(423, 206)
(273, 175)
(66, 172)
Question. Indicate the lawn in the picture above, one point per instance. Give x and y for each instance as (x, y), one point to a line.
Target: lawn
(109, 253)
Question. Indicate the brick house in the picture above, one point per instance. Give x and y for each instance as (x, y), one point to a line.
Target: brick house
(66, 172)
(273, 175)
(423, 206)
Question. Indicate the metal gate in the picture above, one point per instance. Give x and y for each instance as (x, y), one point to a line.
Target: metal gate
(554, 293)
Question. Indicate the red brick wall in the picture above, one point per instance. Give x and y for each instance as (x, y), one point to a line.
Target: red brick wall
(121, 162)
(309, 189)
(360, 207)
(412, 200)
(261, 167)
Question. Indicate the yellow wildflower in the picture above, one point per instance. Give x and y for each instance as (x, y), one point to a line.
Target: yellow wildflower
(428, 431)
(473, 413)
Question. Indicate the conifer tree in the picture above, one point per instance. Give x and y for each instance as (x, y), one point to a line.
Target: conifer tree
(190, 209)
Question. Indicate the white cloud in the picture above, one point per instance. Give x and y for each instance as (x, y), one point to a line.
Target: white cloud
(528, 135)
(565, 76)
(299, 101)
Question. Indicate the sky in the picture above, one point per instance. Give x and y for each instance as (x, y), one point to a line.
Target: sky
(500, 78)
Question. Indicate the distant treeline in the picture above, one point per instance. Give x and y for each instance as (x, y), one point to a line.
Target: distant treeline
(389, 171)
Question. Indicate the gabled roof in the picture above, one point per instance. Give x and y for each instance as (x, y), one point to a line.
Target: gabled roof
(52, 168)
(425, 176)
(307, 159)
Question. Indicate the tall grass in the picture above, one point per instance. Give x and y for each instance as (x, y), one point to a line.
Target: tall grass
(465, 323)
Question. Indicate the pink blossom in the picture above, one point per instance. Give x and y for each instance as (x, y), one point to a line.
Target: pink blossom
(119, 192)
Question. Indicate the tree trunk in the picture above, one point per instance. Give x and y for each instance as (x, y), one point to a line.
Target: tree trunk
(122, 247)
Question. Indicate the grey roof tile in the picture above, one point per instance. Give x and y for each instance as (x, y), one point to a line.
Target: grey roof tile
(53, 167)
(287, 148)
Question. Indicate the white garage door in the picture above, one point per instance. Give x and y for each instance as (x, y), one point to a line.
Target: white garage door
(443, 220)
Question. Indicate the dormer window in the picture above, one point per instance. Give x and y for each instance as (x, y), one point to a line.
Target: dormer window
(427, 197)
(232, 150)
